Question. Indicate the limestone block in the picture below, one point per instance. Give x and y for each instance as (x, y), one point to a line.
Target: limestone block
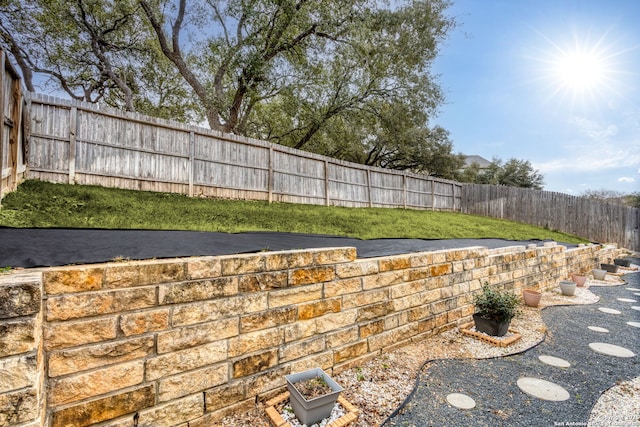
(98, 303)
(341, 337)
(311, 275)
(104, 409)
(365, 298)
(144, 273)
(267, 381)
(222, 396)
(335, 321)
(357, 268)
(419, 313)
(334, 255)
(205, 311)
(203, 268)
(300, 330)
(268, 319)
(415, 274)
(85, 358)
(91, 384)
(263, 281)
(342, 287)
(405, 289)
(301, 349)
(172, 413)
(17, 337)
(255, 363)
(22, 299)
(196, 335)
(242, 264)
(350, 351)
(421, 259)
(192, 382)
(371, 328)
(389, 338)
(374, 310)
(18, 372)
(70, 334)
(72, 279)
(295, 295)
(321, 360)
(185, 360)
(383, 279)
(319, 308)
(198, 290)
(400, 262)
(285, 260)
(255, 341)
(440, 269)
(18, 407)
(144, 322)
(438, 257)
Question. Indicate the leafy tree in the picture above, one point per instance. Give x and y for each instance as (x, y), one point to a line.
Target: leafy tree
(349, 78)
(514, 173)
(631, 200)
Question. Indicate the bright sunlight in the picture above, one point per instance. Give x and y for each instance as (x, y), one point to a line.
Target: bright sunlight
(581, 71)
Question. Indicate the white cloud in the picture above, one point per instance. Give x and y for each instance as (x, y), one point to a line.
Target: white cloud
(593, 129)
(625, 179)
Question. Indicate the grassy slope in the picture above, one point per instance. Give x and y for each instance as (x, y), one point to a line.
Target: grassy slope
(41, 204)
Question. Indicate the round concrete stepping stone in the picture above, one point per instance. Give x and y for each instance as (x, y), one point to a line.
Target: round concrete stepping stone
(611, 350)
(633, 289)
(609, 310)
(636, 307)
(627, 300)
(598, 329)
(542, 389)
(634, 324)
(461, 401)
(554, 361)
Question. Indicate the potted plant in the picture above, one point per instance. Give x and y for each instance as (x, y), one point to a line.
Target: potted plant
(531, 297)
(494, 311)
(312, 395)
(567, 287)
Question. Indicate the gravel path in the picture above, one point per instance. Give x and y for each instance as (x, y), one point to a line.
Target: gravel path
(492, 383)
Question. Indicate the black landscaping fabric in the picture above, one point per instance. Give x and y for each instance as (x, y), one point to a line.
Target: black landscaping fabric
(45, 247)
(492, 382)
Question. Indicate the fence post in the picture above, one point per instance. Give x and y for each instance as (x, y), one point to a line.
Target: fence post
(327, 199)
(192, 163)
(270, 177)
(404, 189)
(369, 187)
(433, 195)
(73, 123)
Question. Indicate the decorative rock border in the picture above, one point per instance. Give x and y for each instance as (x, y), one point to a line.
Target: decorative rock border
(500, 342)
(277, 420)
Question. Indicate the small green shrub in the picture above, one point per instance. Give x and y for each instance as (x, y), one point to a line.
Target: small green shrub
(501, 306)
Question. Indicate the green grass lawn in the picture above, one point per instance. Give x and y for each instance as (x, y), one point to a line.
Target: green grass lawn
(42, 204)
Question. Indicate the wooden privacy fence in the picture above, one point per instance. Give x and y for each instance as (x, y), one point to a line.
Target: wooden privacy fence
(593, 219)
(12, 161)
(81, 143)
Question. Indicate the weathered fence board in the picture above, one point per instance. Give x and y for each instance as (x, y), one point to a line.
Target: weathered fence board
(593, 219)
(80, 143)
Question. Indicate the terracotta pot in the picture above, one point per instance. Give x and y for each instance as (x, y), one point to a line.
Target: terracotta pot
(579, 279)
(531, 297)
(599, 274)
(567, 287)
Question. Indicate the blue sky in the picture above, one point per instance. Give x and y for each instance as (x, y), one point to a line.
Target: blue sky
(554, 82)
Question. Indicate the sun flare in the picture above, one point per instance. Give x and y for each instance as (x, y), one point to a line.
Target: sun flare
(580, 71)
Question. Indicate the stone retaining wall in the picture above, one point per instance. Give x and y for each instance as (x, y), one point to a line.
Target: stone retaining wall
(171, 342)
